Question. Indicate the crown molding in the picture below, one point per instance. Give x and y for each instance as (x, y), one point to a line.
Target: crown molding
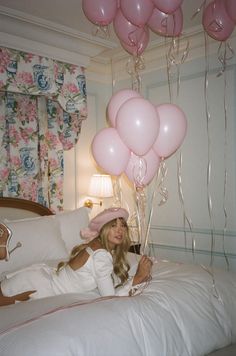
(100, 57)
(193, 43)
(24, 31)
(22, 44)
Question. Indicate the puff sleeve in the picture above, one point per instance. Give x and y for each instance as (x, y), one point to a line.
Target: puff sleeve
(103, 268)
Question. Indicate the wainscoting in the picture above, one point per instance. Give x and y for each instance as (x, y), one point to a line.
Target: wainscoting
(210, 248)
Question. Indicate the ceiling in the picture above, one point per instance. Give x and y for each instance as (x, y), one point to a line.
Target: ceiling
(69, 14)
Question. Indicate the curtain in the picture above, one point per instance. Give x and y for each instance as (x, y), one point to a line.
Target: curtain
(42, 106)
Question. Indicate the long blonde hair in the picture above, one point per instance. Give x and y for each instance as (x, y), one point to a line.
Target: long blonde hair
(120, 263)
(119, 254)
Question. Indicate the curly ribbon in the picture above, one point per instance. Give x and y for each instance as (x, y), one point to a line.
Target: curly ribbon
(203, 4)
(134, 65)
(101, 31)
(150, 215)
(214, 289)
(162, 172)
(225, 53)
(163, 190)
(185, 218)
(208, 118)
(119, 201)
(225, 170)
(175, 57)
(139, 171)
(141, 216)
(117, 192)
(113, 79)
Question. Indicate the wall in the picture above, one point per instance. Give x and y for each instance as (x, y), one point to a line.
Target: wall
(208, 231)
(208, 209)
(79, 163)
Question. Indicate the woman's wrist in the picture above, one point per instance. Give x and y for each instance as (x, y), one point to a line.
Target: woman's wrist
(138, 279)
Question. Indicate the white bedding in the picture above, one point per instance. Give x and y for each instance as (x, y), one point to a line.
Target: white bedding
(183, 311)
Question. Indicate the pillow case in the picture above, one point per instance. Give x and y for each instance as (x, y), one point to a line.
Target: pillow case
(44, 238)
(40, 240)
(71, 222)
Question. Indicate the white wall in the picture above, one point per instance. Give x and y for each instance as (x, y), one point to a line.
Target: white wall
(170, 235)
(207, 223)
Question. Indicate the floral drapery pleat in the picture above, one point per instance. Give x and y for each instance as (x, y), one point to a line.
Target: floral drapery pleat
(42, 106)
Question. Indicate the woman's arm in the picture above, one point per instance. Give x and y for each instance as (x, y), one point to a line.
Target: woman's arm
(143, 270)
(15, 298)
(103, 269)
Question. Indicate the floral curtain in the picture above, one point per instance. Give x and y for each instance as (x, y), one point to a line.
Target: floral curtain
(42, 106)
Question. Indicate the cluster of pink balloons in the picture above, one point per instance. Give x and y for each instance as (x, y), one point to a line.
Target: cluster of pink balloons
(139, 136)
(219, 19)
(132, 19)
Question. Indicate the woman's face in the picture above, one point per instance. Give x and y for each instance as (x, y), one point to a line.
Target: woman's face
(116, 233)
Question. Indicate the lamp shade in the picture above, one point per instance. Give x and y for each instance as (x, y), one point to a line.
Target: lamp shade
(101, 186)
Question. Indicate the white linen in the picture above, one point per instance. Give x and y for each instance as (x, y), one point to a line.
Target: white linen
(44, 238)
(182, 312)
(40, 240)
(71, 222)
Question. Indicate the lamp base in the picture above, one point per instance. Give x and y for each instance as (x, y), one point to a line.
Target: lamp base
(89, 203)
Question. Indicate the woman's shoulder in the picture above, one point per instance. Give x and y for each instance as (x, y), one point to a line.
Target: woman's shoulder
(99, 252)
(102, 261)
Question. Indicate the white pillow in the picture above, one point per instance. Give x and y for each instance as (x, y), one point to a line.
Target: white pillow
(71, 223)
(41, 241)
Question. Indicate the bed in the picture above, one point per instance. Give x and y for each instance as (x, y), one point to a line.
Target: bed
(183, 310)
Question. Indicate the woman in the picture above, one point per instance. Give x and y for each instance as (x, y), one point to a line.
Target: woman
(100, 263)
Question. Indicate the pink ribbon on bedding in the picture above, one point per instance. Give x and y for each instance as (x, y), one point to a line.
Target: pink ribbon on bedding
(54, 310)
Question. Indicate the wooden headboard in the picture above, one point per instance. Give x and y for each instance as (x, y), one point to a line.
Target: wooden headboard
(15, 208)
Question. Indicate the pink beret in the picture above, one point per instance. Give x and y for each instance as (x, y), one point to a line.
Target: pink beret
(100, 220)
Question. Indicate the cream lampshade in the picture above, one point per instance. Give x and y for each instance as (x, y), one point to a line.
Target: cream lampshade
(100, 187)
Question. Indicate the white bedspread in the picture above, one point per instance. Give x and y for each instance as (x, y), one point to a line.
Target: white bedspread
(183, 311)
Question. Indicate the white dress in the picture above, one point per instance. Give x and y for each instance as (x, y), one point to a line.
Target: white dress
(95, 273)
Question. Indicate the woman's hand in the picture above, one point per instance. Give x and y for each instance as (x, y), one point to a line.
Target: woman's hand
(143, 271)
(22, 297)
(15, 298)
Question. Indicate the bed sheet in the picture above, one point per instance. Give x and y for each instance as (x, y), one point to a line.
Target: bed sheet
(184, 310)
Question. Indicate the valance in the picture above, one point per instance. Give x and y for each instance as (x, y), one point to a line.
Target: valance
(27, 73)
(42, 106)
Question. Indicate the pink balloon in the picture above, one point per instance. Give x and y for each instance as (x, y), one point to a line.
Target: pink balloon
(126, 31)
(100, 12)
(117, 100)
(138, 124)
(110, 152)
(137, 11)
(168, 25)
(216, 21)
(138, 48)
(230, 6)
(167, 6)
(173, 127)
(141, 170)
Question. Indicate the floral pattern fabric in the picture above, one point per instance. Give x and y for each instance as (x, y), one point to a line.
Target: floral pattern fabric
(42, 106)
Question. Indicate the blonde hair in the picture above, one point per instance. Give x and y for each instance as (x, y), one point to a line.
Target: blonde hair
(74, 252)
(119, 254)
(120, 263)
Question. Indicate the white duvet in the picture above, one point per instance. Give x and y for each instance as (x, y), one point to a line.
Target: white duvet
(185, 310)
